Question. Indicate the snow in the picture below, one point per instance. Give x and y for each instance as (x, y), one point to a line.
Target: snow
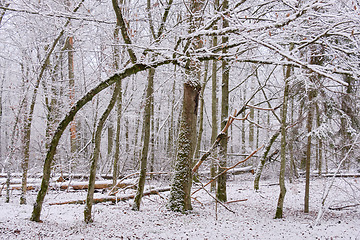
(253, 219)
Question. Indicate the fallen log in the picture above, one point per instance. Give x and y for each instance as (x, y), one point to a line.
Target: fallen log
(85, 185)
(234, 171)
(18, 187)
(114, 199)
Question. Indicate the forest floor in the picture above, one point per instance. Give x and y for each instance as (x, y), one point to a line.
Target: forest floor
(252, 219)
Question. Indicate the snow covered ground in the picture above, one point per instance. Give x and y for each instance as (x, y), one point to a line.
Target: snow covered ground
(253, 219)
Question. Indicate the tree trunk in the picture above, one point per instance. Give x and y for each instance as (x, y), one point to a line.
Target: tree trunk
(146, 128)
(201, 113)
(263, 159)
(96, 153)
(214, 118)
(180, 199)
(319, 155)
(170, 142)
(117, 136)
(214, 104)
(308, 150)
(118, 107)
(153, 128)
(280, 204)
(70, 49)
(221, 183)
(110, 140)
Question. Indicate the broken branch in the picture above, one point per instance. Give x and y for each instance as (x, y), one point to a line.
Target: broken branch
(229, 168)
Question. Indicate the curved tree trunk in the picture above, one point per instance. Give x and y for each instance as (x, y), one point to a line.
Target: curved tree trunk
(263, 159)
(68, 118)
(96, 153)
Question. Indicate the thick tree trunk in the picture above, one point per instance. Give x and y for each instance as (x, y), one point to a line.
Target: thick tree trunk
(145, 149)
(180, 199)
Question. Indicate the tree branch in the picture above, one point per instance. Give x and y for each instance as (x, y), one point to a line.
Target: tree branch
(124, 30)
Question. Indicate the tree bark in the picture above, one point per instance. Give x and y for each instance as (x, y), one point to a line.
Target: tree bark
(180, 199)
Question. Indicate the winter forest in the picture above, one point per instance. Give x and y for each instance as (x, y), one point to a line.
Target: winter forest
(189, 119)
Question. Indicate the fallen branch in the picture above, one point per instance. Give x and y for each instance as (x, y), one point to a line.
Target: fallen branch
(234, 201)
(342, 207)
(114, 199)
